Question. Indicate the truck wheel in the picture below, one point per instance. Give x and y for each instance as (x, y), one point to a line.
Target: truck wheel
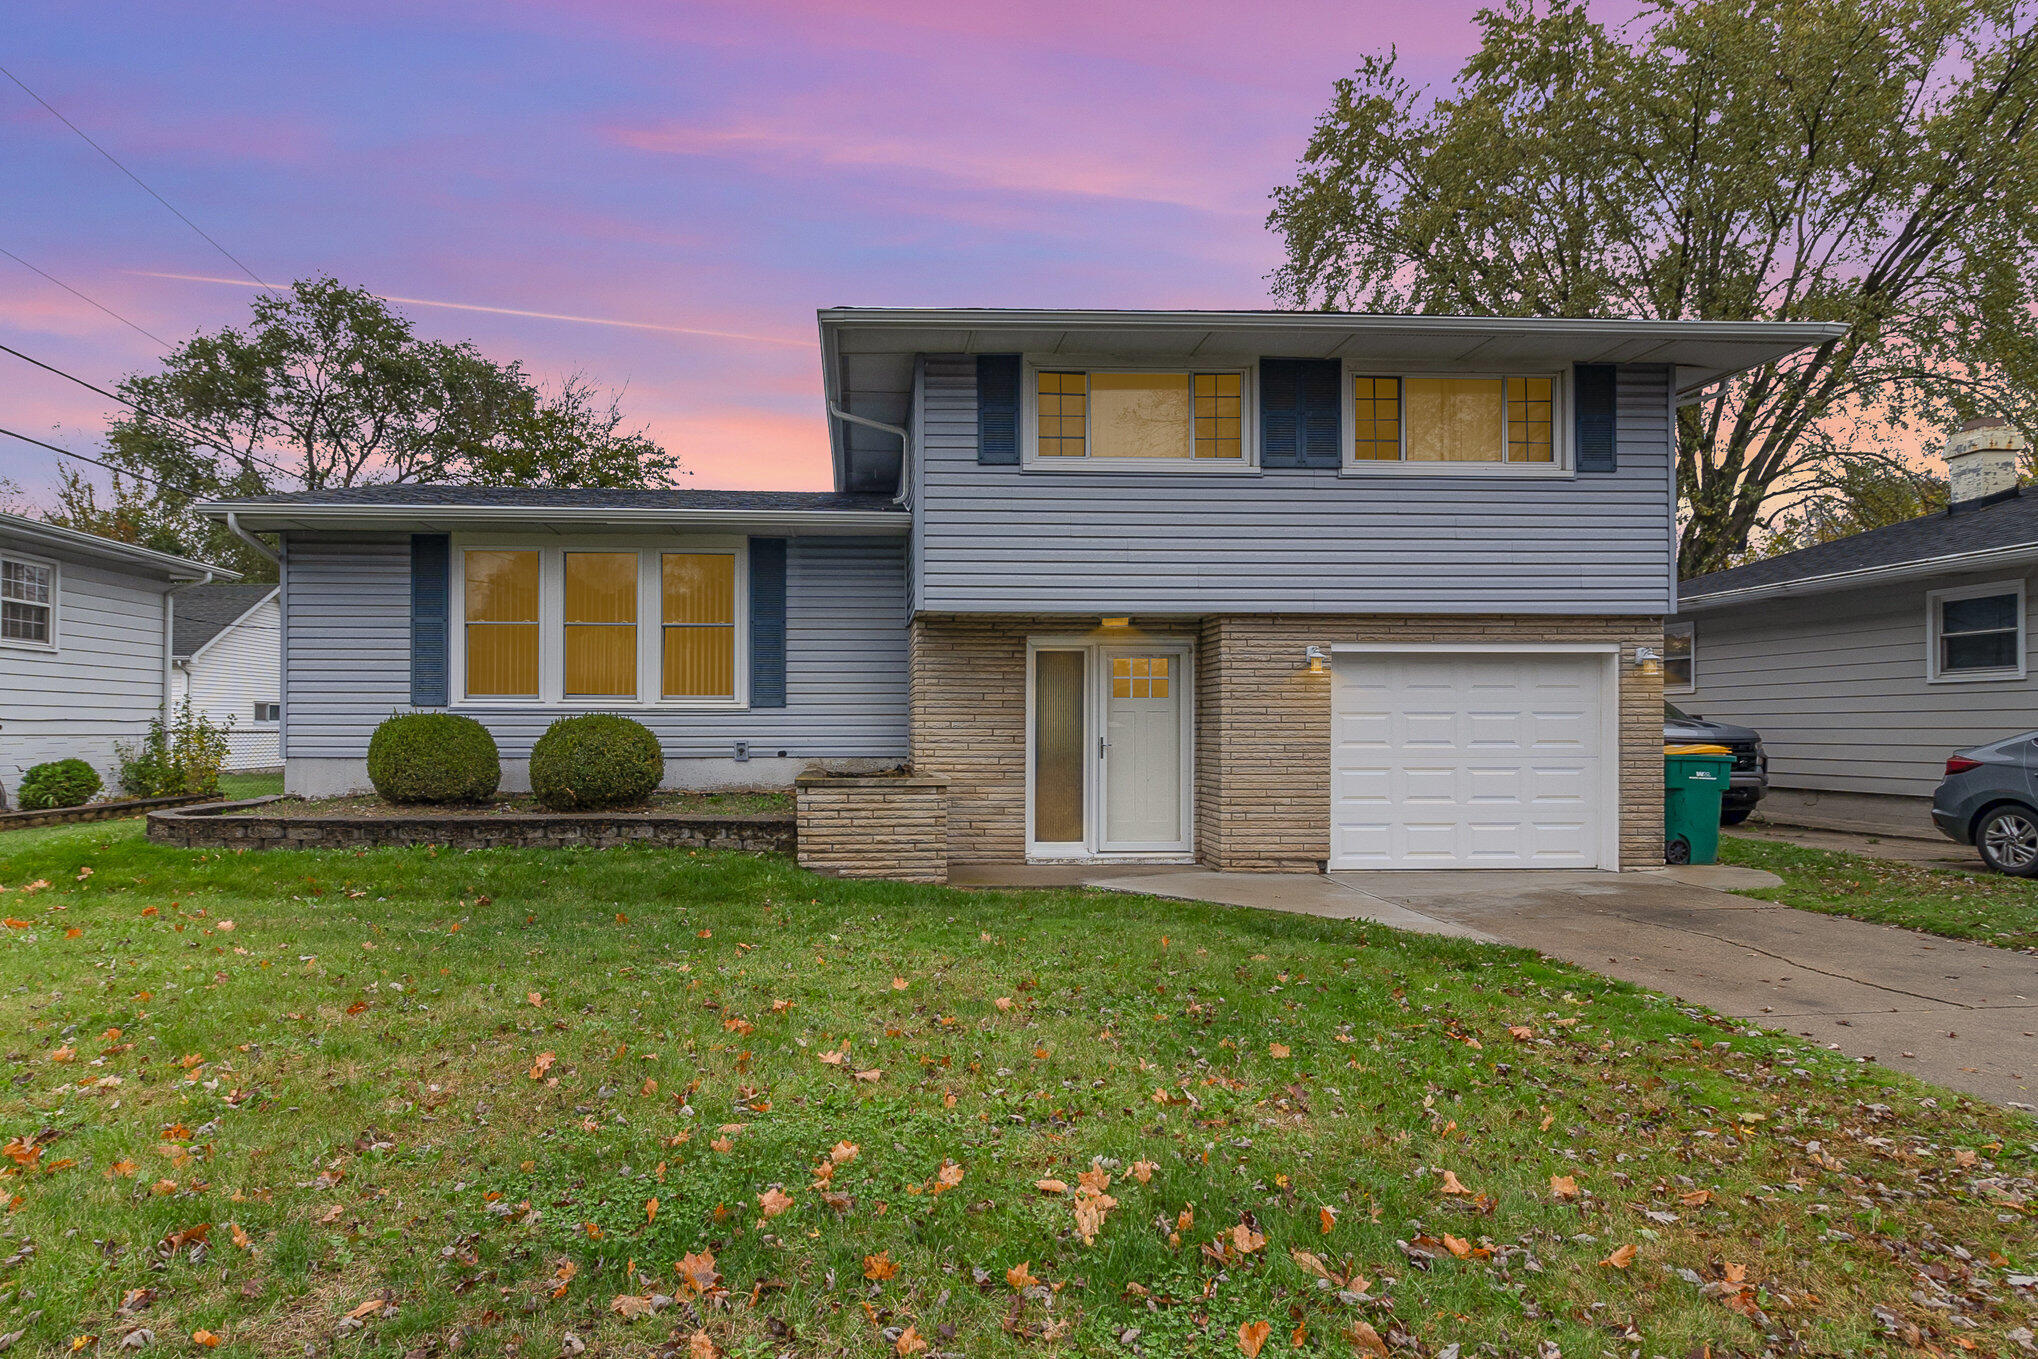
(1734, 816)
(2008, 840)
(1677, 851)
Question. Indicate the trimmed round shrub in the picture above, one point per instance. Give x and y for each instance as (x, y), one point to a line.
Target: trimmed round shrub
(600, 760)
(433, 757)
(60, 783)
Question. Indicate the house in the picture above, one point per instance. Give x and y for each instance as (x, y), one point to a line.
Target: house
(85, 643)
(1265, 590)
(1866, 661)
(229, 662)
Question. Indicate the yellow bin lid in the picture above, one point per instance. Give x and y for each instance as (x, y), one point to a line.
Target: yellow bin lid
(1696, 750)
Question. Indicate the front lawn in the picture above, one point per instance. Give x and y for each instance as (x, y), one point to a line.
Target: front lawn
(1958, 903)
(641, 1101)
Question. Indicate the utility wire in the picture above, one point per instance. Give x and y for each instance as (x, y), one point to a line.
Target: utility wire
(133, 176)
(191, 432)
(118, 471)
(82, 298)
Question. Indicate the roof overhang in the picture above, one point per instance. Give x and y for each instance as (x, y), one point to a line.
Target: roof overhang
(867, 353)
(144, 560)
(268, 517)
(1990, 559)
(186, 657)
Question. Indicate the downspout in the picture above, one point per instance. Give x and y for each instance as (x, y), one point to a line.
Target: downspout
(169, 644)
(905, 447)
(233, 526)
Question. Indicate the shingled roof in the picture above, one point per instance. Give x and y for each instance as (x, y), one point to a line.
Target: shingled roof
(1998, 526)
(205, 611)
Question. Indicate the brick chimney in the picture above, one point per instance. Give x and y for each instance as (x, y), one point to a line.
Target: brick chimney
(1981, 463)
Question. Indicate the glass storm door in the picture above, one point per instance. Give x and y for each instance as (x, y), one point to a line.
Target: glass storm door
(1107, 751)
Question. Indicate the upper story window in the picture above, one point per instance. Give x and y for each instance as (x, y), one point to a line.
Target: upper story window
(1145, 416)
(1976, 632)
(27, 602)
(558, 625)
(1506, 420)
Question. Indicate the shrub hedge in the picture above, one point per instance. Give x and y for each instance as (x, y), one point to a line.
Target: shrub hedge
(59, 783)
(433, 757)
(594, 761)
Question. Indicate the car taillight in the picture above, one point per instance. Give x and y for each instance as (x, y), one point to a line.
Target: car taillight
(1960, 764)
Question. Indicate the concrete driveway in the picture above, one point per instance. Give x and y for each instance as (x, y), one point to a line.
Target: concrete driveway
(1962, 1015)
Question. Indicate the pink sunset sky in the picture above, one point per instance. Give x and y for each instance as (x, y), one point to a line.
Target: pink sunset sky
(658, 196)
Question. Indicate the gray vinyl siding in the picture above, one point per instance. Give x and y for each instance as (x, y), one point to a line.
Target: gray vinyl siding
(102, 684)
(1011, 540)
(1835, 683)
(347, 646)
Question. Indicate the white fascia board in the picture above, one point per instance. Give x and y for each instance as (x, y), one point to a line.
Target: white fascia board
(58, 538)
(271, 518)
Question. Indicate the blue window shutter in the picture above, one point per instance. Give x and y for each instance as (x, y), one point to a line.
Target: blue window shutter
(1301, 413)
(998, 409)
(1592, 396)
(430, 578)
(767, 622)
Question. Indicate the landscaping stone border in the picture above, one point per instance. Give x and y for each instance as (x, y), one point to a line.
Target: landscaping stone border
(93, 811)
(256, 823)
(874, 826)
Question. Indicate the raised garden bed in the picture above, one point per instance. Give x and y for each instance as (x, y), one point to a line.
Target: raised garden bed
(679, 821)
(93, 811)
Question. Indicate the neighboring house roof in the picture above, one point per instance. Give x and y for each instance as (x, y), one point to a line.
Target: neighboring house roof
(34, 533)
(419, 506)
(1971, 538)
(203, 612)
(868, 353)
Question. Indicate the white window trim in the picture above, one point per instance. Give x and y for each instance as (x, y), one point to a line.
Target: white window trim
(1933, 636)
(1248, 461)
(268, 723)
(1560, 464)
(552, 552)
(1690, 630)
(56, 597)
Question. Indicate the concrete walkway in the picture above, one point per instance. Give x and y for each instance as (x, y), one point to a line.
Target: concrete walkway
(1961, 1015)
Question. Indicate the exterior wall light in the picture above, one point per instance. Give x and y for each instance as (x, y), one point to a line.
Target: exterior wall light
(1110, 622)
(1318, 659)
(1648, 660)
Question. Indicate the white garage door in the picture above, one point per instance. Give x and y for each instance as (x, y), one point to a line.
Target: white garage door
(1468, 760)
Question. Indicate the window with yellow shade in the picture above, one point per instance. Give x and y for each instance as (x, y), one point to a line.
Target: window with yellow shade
(698, 641)
(600, 645)
(1449, 419)
(501, 589)
(1139, 416)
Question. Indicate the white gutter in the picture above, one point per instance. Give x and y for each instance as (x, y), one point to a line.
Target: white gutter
(2019, 554)
(169, 641)
(233, 526)
(279, 517)
(58, 537)
(905, 442)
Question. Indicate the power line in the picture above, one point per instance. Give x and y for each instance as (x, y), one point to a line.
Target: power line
(195, 434)
(117, 471)
(82, 298)
(132, 175)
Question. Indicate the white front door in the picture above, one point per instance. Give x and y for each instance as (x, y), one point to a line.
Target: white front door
(1107, 742)
(1460, 758)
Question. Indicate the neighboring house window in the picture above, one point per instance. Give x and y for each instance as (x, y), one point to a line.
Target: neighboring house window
(1428, 420)
(268, 712)
(603, 626)
(1977, 632)
(1679, 671)
(1144, 416)
(28, 592)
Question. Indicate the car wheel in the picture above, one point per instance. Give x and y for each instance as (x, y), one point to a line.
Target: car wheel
(1734, 816)
(2008, 840)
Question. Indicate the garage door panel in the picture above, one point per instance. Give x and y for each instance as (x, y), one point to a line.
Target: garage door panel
(1442, 760)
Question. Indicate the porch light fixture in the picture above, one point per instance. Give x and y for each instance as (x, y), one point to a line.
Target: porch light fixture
(1648, 660)
(1317, 657)
(1111, 622)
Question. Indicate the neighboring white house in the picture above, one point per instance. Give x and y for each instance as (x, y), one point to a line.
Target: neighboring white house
(1866, 661)
(85, 631)
(227, 643)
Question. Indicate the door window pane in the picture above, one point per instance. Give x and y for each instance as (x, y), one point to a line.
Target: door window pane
(1058, 747)
(601, 625)
(698, 604)
(502, 624)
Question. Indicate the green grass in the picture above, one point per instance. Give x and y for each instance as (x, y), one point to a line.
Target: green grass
(462, 1079)
(250, 785)
(1960, 904)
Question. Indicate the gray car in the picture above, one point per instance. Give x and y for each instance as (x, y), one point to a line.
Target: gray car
(1989, 799)
(1750, 777)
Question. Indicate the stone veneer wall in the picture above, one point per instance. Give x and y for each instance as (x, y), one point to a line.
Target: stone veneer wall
(874, 827)
(1262, 724)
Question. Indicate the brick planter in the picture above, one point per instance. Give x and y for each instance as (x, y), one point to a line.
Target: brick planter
(93, 811)
(232, 825)
(874, 826)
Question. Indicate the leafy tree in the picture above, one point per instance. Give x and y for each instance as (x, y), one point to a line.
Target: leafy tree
(330, 386)
(130, 512)
(1867, 495)
(1865, 161)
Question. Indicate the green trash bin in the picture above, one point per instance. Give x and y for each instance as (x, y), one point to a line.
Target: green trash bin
(1694, 778)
